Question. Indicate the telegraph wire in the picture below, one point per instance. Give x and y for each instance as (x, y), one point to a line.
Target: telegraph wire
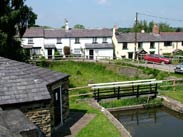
(159, 17)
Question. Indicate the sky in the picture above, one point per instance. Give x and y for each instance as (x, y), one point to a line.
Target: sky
(105, 13)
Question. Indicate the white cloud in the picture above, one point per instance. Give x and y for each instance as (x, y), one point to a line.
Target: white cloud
(102, 1)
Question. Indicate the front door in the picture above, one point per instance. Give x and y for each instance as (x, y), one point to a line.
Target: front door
(58, 107)
(49, 53)
(130, 55)
(91, 54)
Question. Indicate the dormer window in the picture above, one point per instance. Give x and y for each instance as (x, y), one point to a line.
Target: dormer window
(30, 41)
(94, 40)
(168, 43)
(125, 45)
(59, 41)
(104, 40)
(152, 45)
(77, 41)
(140, 45)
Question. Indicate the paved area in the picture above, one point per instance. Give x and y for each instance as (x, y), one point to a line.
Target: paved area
(162, 67)
(77, 121)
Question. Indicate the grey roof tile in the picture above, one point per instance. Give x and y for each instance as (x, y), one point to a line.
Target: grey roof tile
(21, 82)
(150, 37)
(13, 122)
(61, 33)
(34, 32)
(99, 46)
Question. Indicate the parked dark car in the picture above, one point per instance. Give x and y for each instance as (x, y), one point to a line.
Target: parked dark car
(179, 68)
(156, 58)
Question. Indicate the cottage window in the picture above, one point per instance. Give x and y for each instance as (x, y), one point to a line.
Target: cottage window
(104, 40)
(182, 43)
(152, 52)
(30, 41)
(60, 51)
(36, 51)
(125, 45)
(168, 43)
(152, 45)
(140, 45)
(77, 41)
(77, 51)
(59, 41)
(94, 40)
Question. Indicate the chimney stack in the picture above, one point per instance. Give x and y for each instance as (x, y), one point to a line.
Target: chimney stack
(66, 24)
(115, 30)
(155, 29)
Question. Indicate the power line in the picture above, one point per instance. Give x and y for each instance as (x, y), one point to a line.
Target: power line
(159, 17)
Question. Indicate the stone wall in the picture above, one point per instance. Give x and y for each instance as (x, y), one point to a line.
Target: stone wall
(41, 117)
(172, 104)
(38, 113)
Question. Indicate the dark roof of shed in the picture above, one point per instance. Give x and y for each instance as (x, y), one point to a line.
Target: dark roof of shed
(54, 33)
(21, 82)
(99, 46)
(13, 122)
(150, 37)
(34, 32)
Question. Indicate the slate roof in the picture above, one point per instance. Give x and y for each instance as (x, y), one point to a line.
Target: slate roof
(171, 36)
(21, 82)
(150, 37)
(141, 37)
(61, 33)
(13, 122)
(37, 32)
(99, 46)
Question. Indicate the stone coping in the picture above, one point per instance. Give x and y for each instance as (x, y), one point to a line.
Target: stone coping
(123, 131)
(172, 104)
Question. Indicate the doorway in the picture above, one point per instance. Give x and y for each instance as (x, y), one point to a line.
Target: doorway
(49, 53)
(91, 54)
(58, 107)
(130, 55)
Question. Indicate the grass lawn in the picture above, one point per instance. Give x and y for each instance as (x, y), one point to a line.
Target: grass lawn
(100, 126)
(177, 95)
(82, 74)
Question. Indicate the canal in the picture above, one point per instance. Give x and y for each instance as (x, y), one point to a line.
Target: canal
(156, 122)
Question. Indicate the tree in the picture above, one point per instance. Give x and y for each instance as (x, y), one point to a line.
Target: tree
(79, 26)
(148, 27)
(15, 17)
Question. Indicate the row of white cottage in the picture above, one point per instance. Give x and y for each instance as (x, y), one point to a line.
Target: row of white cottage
(100, 43)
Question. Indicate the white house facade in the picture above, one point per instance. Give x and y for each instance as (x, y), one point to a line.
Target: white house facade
(46, 42)
(126, 46)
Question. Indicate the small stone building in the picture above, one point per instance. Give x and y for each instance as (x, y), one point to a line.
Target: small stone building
(41, 94)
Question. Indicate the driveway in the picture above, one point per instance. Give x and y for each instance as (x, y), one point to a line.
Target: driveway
(162, 67)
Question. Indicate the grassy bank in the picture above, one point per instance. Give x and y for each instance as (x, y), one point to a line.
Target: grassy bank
(83, 73)
(100, 126)
(130, 101)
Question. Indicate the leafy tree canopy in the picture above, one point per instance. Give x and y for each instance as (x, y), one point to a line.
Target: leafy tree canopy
(79, 26)
(15, 17)
(148, 27)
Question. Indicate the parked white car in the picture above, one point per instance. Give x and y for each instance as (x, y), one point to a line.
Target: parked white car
(179, 68)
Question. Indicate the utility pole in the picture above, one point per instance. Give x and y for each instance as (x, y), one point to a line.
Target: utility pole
(136, 21)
